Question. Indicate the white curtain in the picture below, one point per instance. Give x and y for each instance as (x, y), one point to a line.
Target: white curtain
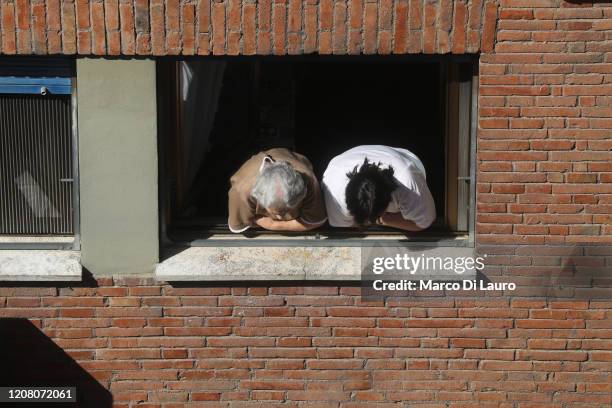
(201, 83)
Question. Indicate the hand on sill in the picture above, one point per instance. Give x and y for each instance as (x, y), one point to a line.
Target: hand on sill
(392, 220)
(395, 220)
(291, 226)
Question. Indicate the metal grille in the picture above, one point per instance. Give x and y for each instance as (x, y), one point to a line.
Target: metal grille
(35, 165)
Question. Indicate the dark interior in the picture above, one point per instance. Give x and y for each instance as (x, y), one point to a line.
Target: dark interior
(319, 108)
(343, 105)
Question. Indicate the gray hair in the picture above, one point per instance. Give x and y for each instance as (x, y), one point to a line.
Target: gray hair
(279, 186)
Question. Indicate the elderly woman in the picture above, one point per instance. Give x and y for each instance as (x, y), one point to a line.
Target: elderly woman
(276, 190)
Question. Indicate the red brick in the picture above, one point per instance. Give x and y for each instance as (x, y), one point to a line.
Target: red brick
(22, 302)
(129, 322)
(111, 10)
(429, 27)
(76, 312)
(546, 344)
(517, 90)
(22, 11)
(551, 355)
(474, 25)
(126, 18)
(143, 43)
(384, 43)
(494, 123)
(489, 26)
(400, 28)
(370, 30)
(22, 22)
(233, 9)
(467, 343)
(119, 354)
(39, 43)
(444, 25)
(188, 29)
(218, 28)
(162, 41)
(310, 28)
(339, 27)
(248, 22)
(9, 45)
(516, 14)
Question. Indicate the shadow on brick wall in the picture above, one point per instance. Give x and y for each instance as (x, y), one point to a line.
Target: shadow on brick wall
(563, 271)
(29, 358)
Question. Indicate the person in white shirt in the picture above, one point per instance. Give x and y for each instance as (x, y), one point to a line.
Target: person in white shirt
(375, 184)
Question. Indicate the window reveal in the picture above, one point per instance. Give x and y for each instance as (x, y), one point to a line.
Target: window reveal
(229, 110)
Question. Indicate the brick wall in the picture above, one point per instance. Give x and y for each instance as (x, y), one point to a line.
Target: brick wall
(232, 27)
(309, 346)
(545, 125)
(544, 172)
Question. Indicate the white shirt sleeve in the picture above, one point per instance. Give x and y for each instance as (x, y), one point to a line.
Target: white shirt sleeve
(415, 201)
(335, 212)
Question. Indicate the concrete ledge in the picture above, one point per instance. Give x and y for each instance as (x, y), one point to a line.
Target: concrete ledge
(250, 263)
(40, 265)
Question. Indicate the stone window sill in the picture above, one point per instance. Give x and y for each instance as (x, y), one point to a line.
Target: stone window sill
(40, 265)
(290, 260)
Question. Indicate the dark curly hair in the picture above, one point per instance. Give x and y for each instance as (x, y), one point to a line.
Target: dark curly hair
(368, 192)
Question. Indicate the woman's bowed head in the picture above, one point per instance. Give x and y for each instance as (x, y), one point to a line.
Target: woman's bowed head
(275, 190)
(368, 192)
(279, 189)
